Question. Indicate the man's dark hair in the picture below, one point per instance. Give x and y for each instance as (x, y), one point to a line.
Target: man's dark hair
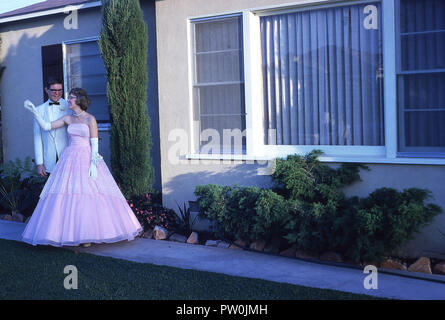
(52, 80)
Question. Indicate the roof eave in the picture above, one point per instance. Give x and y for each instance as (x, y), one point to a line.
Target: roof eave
(51, 11)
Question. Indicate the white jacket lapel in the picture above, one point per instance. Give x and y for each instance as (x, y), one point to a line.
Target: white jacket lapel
(46, 115)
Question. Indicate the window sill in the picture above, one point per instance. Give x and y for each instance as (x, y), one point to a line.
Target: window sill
(104, 127)
(355, 159)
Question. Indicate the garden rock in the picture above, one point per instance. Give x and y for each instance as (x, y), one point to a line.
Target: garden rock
(331, 256)
(193, 238)
(306, 255)
(440, 267)
(18, 217)
(223, 244)
(258, 245)
(212, 243)
(160, 233)
(178, 238)
(238, 245)
(148, 234)
(272, 248)
(421, 265)
(289, 252)
(391, 264)
(7, 217)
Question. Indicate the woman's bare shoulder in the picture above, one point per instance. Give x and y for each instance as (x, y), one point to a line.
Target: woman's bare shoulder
(67, 118)
(91, 119)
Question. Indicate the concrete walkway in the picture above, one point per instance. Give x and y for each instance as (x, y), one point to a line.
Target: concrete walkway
(256, 265)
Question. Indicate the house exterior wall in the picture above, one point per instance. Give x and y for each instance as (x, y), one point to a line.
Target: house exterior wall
(21, 54)
(180, 174)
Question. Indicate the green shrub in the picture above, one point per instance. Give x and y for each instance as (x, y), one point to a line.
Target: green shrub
(20, 186)
(29, 194)
(211, 202)
(123, 43)
(386, 220)
(272, 213)
(305, 178)
(232, 209)
(247, 213)
(312, 226)
(240, 212)
(316, 190)
(307, 207)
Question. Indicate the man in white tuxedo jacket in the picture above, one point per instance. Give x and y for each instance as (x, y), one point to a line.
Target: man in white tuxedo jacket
(49, 145)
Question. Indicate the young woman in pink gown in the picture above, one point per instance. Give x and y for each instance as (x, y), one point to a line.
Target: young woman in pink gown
(80, 203)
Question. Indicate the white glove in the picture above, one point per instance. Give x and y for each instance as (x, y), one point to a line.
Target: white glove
(42, 123)
(95, 157)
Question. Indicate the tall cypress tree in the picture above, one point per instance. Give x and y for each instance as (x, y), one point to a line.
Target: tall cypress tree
(123, 43)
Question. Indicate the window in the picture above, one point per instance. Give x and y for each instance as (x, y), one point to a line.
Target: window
(421, 77)
(322, 81)
(85, 68)
(361, 80)
(218, 84)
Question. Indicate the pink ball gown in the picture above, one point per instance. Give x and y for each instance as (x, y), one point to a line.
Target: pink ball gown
(74, 208)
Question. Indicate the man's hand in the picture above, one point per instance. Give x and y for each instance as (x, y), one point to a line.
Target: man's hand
(41, 170)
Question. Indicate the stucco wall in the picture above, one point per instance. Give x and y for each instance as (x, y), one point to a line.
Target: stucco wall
(21, 54)
(179, 180)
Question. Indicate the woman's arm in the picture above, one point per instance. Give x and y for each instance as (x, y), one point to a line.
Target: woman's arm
(42, 123)
(95, 156)
(60, 122)
(92, 124)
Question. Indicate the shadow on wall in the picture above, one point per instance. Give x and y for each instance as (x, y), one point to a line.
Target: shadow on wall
(399, 177)
(181, 187)
(22, 80)
(148, 9)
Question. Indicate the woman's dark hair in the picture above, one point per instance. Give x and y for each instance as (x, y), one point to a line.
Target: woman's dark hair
(82, 99)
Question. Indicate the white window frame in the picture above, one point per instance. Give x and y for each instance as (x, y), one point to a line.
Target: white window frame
(255, 147)
(409, 151)
(194, 125)
(100, 126)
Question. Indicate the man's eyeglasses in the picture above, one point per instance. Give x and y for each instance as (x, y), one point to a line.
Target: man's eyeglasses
(56, 90)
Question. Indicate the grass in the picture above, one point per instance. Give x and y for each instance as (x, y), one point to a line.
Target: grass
(28, 272)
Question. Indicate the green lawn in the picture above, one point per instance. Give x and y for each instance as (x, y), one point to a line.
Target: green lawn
(28, 272)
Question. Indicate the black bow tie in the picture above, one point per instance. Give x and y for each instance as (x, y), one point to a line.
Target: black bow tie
(57, 103)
